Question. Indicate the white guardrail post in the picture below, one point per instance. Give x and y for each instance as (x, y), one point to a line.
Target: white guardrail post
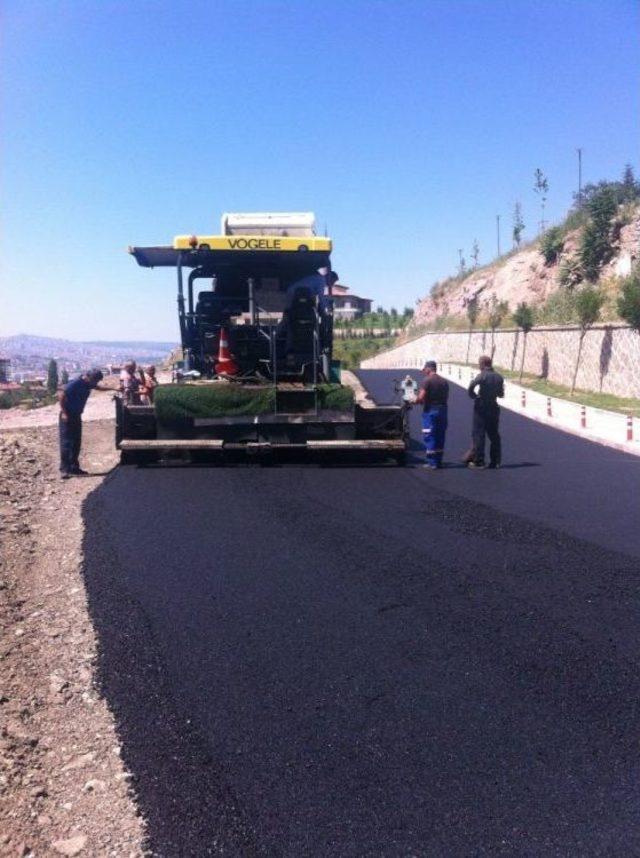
(619, 429)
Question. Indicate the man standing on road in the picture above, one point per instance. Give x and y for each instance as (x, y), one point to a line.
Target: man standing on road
(73, 398)
(485, 390)
(434, 395)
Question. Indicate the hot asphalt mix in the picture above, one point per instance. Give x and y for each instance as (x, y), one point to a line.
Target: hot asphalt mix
(377, 661)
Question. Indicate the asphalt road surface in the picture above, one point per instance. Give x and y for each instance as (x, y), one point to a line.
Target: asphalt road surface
(309, 661)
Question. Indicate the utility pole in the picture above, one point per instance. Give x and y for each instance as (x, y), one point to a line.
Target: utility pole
(498, 232)
(579, 178)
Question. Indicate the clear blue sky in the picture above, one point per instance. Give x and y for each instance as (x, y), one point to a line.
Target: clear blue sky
(406, 126)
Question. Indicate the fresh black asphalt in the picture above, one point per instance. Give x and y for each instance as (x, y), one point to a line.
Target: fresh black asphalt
(309, 661)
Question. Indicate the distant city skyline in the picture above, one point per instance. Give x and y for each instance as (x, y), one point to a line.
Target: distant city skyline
(29, 355)
(407, 127)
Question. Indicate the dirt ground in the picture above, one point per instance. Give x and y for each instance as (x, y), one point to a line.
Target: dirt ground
(63, 786)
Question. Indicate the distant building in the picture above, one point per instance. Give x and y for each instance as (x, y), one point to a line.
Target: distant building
(347, 306)
(5, 364)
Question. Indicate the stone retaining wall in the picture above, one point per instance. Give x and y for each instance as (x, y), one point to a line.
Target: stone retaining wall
(610, 361)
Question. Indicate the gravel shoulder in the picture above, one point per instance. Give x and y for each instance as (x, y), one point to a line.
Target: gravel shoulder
(64, 789)
(99, 407)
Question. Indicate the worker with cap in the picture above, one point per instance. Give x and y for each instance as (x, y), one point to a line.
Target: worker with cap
(434, 396)
(485, 389)
(73, 398)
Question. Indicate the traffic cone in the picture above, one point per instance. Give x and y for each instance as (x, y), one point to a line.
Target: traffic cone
(225, 364)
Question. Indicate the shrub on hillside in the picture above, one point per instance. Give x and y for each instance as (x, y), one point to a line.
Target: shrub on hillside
(576, 219)
(570, 272)
(560, 308)
(552, 244)
(624, 191)
(596, 248)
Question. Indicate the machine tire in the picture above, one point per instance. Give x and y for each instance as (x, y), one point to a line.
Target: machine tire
(140, 458)
(400, 458)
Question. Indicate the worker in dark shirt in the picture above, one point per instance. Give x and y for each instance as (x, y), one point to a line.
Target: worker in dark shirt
(434, 395)
(485, 389)
(73, 398)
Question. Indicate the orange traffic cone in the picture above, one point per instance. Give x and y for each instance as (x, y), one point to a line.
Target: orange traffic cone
(225, 364)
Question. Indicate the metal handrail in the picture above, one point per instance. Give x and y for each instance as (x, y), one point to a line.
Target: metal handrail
(271, 337)
(316, 357)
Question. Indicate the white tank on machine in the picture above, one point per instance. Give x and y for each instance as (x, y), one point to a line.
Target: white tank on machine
(269, 223)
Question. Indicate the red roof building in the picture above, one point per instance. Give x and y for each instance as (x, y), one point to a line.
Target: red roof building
(347, 306)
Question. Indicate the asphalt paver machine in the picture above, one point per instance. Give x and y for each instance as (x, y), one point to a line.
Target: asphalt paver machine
(257, 374)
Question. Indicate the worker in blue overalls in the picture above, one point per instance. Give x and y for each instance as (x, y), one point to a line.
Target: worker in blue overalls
(434, 395)
(73, 398)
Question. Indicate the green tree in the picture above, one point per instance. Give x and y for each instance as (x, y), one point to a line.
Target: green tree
(473, 310)
(52, 377)
(596, 248)
(64, 376)
(541, 187)
(589, 301)
(496, 311)
(523, 317)
(630, 187)
(475, 253)
(372, 323)
(629, 300)
(518, 225)
(407, 315)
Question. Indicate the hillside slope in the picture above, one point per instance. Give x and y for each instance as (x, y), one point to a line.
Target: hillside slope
(523, 276)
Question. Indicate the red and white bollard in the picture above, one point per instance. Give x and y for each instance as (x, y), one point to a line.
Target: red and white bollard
(583, 417)
(523, 400)
(459, 373)
(549, 414)
(629, 428)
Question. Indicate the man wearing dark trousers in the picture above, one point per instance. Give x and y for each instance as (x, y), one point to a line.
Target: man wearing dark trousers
(485, 389)
(73, 398)
(434, 395)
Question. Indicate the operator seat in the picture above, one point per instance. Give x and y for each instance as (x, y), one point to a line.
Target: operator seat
(208, 308)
